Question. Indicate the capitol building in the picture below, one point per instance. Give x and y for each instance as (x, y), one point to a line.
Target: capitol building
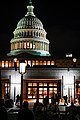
(43, 75)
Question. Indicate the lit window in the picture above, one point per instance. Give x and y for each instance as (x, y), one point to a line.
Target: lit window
(44, 63)
(50, 84)
(40, 62)
(28, 90)
(51, 89)
(34, 84)
(2, 63)
(37, 62)
(48, 63)
(6, 64)
(34, 46)
(45, 84)
(40, 84)
(52, 62)
(27, 44)
(16, 45)
(55, 84)
(33, 62)
(30, 45)
(55, 89)
(6, 89)
(29, 84)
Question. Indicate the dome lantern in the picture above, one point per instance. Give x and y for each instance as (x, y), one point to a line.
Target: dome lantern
(30, 8)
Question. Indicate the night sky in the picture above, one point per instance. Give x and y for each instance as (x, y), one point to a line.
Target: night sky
(61, 20)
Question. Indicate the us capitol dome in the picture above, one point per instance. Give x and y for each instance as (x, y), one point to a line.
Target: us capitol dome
(29, 36)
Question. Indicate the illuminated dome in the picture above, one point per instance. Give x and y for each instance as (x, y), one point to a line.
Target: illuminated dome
(29, 22)
(29, 36)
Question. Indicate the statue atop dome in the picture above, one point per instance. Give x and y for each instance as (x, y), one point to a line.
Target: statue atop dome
(30, 8)
(30, 2)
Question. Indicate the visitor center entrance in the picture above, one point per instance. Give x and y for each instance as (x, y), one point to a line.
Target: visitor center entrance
(39, 89)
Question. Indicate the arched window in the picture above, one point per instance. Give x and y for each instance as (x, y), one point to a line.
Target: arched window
(2, 63)
(6, 64)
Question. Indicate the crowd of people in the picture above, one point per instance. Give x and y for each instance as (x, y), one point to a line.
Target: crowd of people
(42, 111)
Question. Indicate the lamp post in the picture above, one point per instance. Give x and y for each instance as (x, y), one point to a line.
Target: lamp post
(15, 64)
(74, 60)
(22, 70)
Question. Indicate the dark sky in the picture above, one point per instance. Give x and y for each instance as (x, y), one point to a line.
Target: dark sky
(61, 20)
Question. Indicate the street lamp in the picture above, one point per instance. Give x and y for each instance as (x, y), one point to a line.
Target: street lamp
(74, 60)
(22, 70)
(15, 64)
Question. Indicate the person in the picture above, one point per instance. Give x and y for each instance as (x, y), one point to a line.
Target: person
(53, 98)
(45, 102)
(17, 98)
(25, 113)
(37, 106)
(37, 109)
(3, 112)
(72, 110)
(65, 98)
(61, 101)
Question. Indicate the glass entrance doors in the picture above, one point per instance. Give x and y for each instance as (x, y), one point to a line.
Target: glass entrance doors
(41, 89)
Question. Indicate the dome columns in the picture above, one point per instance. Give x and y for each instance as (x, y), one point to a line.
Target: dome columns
(22, 33)
(35, 45)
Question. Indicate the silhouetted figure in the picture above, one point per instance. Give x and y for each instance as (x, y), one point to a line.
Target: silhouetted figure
(25, 113)
(3, 112)
(17, 98)
(57, 98)
(65, 98)
(72, 111)
(45, 102)
(9, 103)
(37, 107)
